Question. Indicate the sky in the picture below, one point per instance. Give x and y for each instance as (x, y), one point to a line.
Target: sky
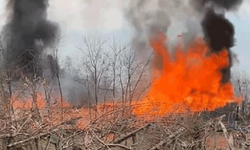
(104, 18)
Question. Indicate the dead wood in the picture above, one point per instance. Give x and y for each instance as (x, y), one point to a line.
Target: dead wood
(31, 138)
(157, 146)
(169, 139)
(229, 142)
(123, 138)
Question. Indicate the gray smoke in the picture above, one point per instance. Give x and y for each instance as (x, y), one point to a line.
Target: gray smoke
(29, 35)
(150, 17)
(198, 16)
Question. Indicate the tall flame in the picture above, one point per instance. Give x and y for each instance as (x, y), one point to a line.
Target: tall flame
(190, 81)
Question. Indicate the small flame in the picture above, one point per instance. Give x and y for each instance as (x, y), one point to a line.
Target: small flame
(191, 81)
(26, 104)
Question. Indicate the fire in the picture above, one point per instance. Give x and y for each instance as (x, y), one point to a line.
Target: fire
(27, 104)
(83, 116)
(189, 81)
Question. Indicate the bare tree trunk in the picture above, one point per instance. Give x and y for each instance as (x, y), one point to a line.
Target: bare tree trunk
(47, 98)
(57, 73)
(114, 85)
(61, 94)
(95, 82)
(35, 108)
(90, 102)
(10, 103)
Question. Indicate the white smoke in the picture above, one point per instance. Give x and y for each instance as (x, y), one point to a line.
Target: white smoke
(84, 15)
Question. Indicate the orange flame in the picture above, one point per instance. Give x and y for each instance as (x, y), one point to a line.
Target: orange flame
(191, 81)
(26, 104)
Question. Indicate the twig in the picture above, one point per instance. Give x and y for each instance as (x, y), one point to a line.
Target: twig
(119, 145)
(24, 123)
(123, 138)
(68, 146)
(170, 139)
(158, 145)
(101, 141)
(110, 145)
(48, 143)
(75, 134)
(31, 138)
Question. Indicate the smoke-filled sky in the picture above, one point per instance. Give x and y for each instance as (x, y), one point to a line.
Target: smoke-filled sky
(79, 18)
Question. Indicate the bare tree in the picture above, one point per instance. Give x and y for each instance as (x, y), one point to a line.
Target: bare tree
(116, 57)
(34, 85)
(93, 67)
(7, 75)
(57, 72)
(241, 83)
(133, 75)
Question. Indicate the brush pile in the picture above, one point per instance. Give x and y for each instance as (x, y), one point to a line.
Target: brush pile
(116, 128)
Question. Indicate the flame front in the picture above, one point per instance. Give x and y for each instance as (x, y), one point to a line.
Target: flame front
(190, 81)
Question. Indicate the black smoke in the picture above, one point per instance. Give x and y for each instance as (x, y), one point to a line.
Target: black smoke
(219, 34)
(29, 35)
(218, 30)
(225, 4)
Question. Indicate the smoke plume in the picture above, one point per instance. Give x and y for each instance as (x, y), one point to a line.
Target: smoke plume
(29, 35)
(198, 16)
(219, 31)
(225, 4)
(150, 17)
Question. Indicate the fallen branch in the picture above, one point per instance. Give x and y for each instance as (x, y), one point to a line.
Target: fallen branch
(123, 138)
(170, 139)
(20, 128)
(157, 146)
(119, 145)
(230, 144)
(68, 146)
(31, 138)
(47, 145)
(71, 136)
(110, 145)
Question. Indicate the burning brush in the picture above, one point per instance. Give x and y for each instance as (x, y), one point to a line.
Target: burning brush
(191, 81)
(198, 77)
